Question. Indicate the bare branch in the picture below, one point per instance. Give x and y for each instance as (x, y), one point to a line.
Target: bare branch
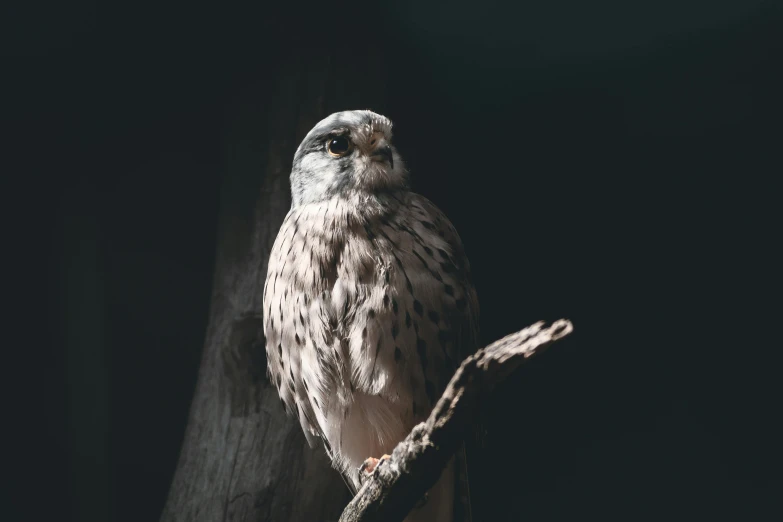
(416, 463)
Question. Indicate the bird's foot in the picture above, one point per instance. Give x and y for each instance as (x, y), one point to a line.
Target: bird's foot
(371, 463)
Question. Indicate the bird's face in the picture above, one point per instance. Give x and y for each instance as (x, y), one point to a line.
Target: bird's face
(347, 152)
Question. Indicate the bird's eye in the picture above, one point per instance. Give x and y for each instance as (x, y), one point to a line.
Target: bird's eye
(338, 146)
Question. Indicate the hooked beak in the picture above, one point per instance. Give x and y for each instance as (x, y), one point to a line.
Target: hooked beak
(381, 151)
(384, 154)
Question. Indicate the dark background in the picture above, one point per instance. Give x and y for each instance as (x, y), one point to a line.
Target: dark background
(611, 162)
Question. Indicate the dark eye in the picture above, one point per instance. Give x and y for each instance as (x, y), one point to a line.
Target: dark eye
(338, 146)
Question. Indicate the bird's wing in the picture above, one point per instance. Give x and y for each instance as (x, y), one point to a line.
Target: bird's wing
(467, 307)
(300, 328)
(285, 309)
(465, 326)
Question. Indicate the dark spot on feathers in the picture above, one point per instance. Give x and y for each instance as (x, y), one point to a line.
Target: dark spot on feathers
(394, 305)
(417, 307)
(279, 381)
(443, 253)
(386, 301)
(315, 401)
(428, 225)
(378, 346)
(449, 289)
(364, 332)
(395, 329)
(280, 350)
(297, 339)
(301, 319)
(397, 355)
(421, 348)
(423, 262)
(371, 314)
(433, 315)
(447, 267)
(407, 319)
(428, 250)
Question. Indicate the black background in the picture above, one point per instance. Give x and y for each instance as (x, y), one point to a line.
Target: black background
(610, 162)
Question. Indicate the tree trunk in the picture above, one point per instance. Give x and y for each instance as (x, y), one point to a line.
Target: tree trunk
(242, 458)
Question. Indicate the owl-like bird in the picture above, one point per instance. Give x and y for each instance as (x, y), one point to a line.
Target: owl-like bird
(368, 304)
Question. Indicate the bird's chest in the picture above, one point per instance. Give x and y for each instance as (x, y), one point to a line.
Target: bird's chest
(357, 281)
(341, 262)
(368, 297)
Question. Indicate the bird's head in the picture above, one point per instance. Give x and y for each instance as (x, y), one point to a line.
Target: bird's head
(347, 152)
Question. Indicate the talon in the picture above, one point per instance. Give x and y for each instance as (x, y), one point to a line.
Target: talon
(371, 463)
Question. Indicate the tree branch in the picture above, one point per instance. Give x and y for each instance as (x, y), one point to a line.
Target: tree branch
(397, 484)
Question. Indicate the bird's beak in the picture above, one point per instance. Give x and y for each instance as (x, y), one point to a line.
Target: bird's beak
(384, 153)
(379, 149)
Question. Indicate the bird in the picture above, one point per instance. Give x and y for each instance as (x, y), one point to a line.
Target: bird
(369, 304)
